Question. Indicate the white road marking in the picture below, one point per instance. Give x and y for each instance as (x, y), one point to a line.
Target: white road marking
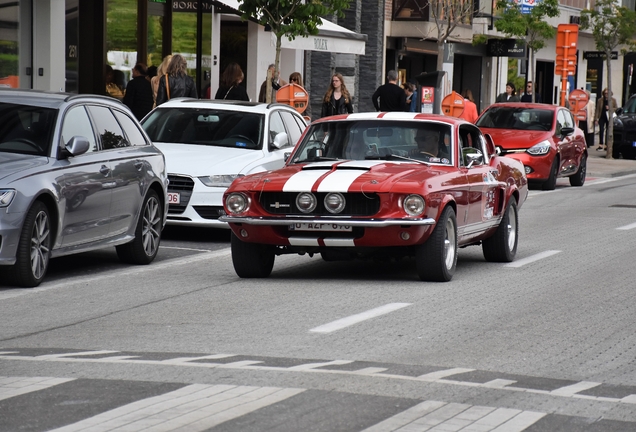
(627, 227)
(15, 386)
(355, 319)
(133, 270)
(76, 354)
(185, 249)
(196, 407)
(571, 390)
(437, 375)
(531, 259)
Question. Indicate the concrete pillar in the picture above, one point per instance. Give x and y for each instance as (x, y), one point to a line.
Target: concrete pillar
(48, 47)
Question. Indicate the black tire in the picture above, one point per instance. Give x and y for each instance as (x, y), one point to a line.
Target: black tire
(578, 178)
(616, 152)
(34, 248)
(251, 260)
(436, 259)
(143, 249)
(550, 183)
(502, 245)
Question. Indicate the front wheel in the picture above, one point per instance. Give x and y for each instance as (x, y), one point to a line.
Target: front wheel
(550, 183)
(436, 259)
(502, 246)
(251, 260)
(143, 249)
(578, 178)
(34, 248)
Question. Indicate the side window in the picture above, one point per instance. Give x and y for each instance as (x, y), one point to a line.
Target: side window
(77, 123)
(135, 137)
(276, 126)
(292, 127)
(108, 130)
(470, 141)
(561, 121)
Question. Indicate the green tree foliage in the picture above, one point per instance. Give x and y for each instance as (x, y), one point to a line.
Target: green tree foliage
(121, 25)
(612, 26)
(530, 26)
(290, 18)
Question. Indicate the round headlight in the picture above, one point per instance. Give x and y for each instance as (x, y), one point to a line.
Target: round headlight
(414, 205)
(335, 202)
(237, 203)
(306, 202)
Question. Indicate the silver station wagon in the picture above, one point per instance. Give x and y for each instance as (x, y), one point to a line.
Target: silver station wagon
(77, 173)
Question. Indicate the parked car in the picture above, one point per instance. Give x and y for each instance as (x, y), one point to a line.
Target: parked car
(543, 137)
(366, 186)
(77, 173)
(210, 143)
(625, 131)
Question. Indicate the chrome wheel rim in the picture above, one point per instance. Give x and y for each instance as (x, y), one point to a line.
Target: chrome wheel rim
(151, 227)
(40, 245)
(512, 228)
(449, 244)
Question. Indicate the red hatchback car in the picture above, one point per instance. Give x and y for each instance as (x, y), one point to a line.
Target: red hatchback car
(380, 185)
(543, 137)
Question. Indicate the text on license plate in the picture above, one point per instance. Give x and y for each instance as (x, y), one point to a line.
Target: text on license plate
(319, 227)
(174, 198)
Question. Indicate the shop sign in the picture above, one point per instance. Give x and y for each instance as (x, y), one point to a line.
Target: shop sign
(593, 55)
(191, 6)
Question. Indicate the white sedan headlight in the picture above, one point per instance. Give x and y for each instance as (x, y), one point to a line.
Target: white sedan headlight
(414, 205)
(540, 149)
(237, 203)
(6, 196)
(220, 180)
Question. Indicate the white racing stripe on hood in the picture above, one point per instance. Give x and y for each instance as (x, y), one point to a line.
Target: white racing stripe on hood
(340, 180)
(303, 180)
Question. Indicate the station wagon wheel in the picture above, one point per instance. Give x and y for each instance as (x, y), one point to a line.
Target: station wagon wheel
(550, 183)
(437, 258)
(143, 249)
(34, 248)
(502, 245)
(251, 260)
(578, 178)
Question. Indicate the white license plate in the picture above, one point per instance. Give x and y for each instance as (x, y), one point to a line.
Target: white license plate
(319, 227)
(174, 198)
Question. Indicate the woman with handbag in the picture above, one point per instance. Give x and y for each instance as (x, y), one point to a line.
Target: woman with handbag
(231, 88)
(176, 82)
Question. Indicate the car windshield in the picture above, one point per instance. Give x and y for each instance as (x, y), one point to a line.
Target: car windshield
(207, 127)
(26, 129)
(630, 106)
(502, 117)
(374, 139)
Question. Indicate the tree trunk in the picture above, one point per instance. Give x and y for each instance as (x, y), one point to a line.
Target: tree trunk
(609, 142)
(533, 70)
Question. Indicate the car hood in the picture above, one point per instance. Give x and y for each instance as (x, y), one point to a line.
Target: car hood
(12, 163)
(347, 176)
(626, 121)
(516, 139)
(197, 160)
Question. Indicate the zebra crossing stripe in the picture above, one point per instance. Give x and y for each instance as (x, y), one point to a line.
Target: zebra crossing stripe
(196, 407)
(436, 415)
(16, 386)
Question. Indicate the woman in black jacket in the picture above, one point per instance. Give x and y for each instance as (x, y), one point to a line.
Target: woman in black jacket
(179, 83)
(337, 99)
(230, 88)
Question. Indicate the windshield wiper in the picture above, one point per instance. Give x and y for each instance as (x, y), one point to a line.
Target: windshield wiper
(391, 156)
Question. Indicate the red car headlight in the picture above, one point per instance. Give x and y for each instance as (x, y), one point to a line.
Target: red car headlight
(414, 205)
(540, 149)
(237, 203)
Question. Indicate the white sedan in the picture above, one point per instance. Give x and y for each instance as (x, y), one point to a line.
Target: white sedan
(209, 143)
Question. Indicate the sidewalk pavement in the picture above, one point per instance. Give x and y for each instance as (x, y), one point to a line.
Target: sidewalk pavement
(598, 166)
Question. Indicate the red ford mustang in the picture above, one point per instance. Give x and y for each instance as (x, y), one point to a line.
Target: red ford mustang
(380, 185)
(543, 137)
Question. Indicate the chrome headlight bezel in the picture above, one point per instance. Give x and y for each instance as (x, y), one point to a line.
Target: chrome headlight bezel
(221, 180)
(414, 205)
(237, 203)
(335, 198)
(306, 202)
(540, 149)
(6, 197)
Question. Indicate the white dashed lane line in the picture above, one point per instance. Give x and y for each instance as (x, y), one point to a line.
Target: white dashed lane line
(531, 259)
(627, 227)
(355, 319)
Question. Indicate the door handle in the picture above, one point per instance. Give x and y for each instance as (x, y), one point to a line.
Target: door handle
(104, 170)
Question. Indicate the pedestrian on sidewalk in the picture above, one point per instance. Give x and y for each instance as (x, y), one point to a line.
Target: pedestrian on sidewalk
(391, 95)
(337, 99)
(602, 117)
(587, 125)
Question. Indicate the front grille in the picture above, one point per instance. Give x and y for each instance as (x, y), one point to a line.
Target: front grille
(183, 185)
(357, 204)
(209, 212)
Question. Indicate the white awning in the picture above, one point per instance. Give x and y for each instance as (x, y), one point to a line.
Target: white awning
(330, 38)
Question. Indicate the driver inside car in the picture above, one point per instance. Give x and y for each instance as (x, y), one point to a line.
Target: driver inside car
(427, 145)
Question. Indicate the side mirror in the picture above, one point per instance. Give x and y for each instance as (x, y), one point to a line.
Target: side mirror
(619, 111)
(567, 131)
(77, 145)
(280, 140)
(472, 157)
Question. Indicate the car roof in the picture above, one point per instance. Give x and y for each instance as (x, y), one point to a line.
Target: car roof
(253, 107)
(48, 99)
(393, 116)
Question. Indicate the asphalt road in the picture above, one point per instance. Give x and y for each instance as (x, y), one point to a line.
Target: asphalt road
(543, 344)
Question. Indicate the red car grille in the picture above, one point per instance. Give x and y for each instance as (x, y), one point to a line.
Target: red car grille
(357, 204)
